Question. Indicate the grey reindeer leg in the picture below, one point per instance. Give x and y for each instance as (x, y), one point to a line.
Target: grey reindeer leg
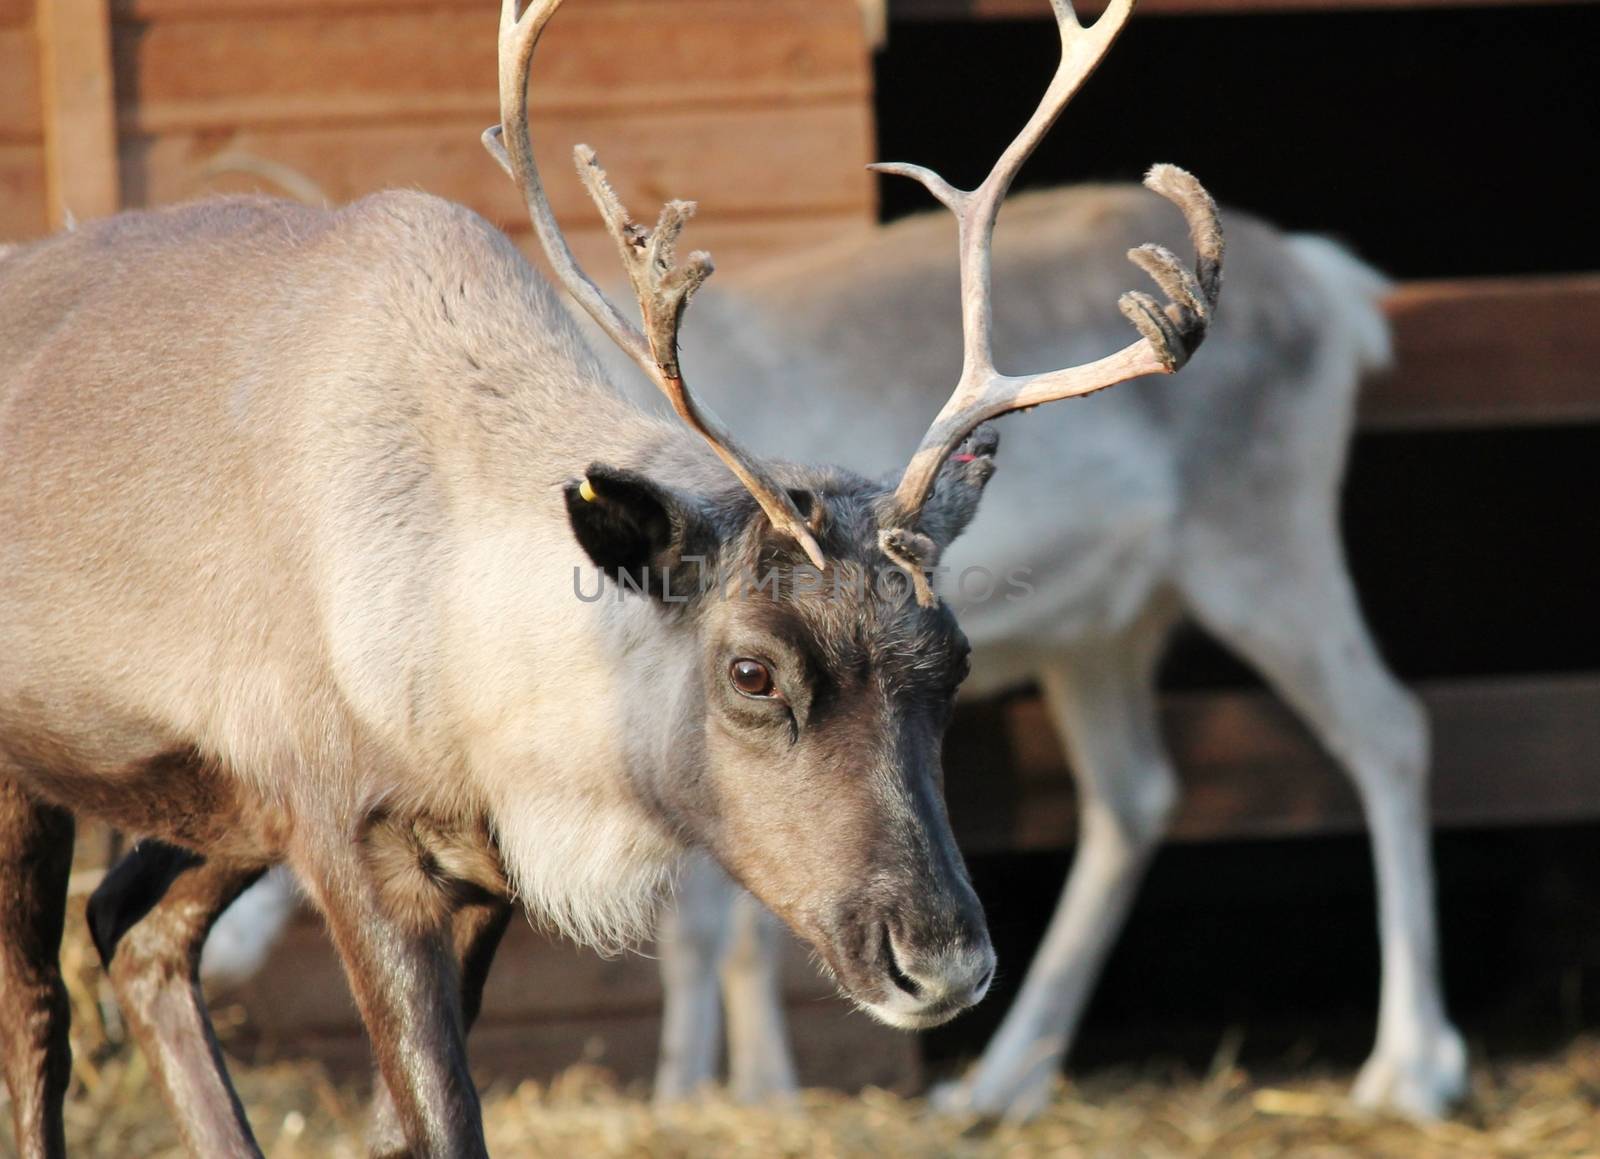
(1101, 699)
(691, 940)
(1291, 610)
(760, 1058)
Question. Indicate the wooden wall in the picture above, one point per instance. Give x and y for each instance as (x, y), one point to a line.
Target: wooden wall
(22, 212)
(760, 111)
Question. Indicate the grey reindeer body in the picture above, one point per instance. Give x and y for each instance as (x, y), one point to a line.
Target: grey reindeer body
(251, 452)
(287, 574)
(1215, 499)
(352, 465)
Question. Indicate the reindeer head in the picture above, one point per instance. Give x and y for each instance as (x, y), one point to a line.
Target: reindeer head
(819, 697)
(825, 663)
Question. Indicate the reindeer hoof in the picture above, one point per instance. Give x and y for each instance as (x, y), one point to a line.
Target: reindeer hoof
(1019, 1103)
(1422, 1083)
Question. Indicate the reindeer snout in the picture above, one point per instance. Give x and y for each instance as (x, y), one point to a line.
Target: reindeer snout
(950, 978)
(931, 976)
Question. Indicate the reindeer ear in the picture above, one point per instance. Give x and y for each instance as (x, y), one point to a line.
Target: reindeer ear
(637, 531)
(959, 486)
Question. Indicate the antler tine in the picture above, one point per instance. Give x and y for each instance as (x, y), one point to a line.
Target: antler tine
(662, 287)
(1170, 333)
(977, 210)
(649, 257)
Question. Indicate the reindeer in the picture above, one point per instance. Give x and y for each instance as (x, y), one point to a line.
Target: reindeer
(295, 506)
(1217, 503)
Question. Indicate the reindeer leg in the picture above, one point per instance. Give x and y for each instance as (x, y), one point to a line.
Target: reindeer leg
(402, 973)
(476, 931)
(149, 918)
(1295, 617)
(691, 940)
(35, 862)
(760, 1063)
(1102, 703)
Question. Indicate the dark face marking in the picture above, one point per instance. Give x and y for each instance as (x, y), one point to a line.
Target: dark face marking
(825, 702)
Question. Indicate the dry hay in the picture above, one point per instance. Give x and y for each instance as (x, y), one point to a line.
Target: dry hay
(1544, 1109)
(1531, 1109)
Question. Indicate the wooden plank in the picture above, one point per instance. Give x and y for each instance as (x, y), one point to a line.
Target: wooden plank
(834, 1045)
(412, 65)
(1490, 352)
(20, 119)
(1507, 751)
(736, 163)
(549, 1005)
(250, 9)
(22, 213)
(79, 123)
(498, 1052)
(734, 244)
(926, 10)
(312, 998)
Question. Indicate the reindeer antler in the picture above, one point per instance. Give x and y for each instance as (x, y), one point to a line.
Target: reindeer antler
(662, 287)
(1171, 332)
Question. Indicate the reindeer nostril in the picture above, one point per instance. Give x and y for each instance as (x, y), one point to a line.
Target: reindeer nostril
(983, 983)
(896, 974)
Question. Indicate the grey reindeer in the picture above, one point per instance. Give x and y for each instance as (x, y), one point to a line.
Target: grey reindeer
(295, 502)
(1127, 512)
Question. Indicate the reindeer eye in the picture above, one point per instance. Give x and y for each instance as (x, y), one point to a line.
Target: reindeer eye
(752, 678)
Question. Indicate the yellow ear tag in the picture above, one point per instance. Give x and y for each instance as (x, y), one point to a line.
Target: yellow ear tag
(586, 492)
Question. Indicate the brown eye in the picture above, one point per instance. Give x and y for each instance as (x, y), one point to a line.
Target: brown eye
(752, 678)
